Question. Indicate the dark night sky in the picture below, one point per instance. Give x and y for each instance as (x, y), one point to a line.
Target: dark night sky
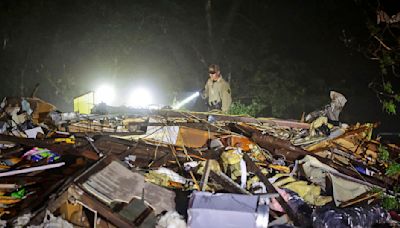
(289, 53)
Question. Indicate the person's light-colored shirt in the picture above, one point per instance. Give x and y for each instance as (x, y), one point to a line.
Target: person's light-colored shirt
(218, 91)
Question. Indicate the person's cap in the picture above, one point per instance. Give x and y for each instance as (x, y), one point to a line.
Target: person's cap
(213, 68)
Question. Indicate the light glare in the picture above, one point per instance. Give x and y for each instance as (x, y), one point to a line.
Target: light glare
(105, 94)
(140, 98)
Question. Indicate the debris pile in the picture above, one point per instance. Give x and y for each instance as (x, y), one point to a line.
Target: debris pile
(168, 168)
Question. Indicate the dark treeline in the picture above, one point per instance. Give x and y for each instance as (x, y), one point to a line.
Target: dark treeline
(287, 55)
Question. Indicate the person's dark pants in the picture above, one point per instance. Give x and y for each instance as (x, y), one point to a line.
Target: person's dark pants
(215, 106)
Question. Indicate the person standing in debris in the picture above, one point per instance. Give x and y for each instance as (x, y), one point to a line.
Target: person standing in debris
(217, 90)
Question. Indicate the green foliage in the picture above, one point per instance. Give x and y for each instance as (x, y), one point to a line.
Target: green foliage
(386, 59)
(390, 203)
(393, 169)
(387, 87)
(377, 190)
(277, 85)
(383, 69)
(397, 97)
(384, 47)
(373, 28)
(383, 153)
(389, 106)
(238, 108)
(389, 99)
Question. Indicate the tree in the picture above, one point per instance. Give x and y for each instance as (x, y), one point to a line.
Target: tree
(383, 47)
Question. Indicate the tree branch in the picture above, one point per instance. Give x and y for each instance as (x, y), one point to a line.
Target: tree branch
(383, 44)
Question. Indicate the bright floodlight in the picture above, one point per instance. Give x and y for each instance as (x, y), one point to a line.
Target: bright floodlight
(140, 98)
(105, 94)
(186, 100)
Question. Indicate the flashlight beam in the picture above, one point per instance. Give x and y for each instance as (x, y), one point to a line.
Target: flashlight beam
(186, 100)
